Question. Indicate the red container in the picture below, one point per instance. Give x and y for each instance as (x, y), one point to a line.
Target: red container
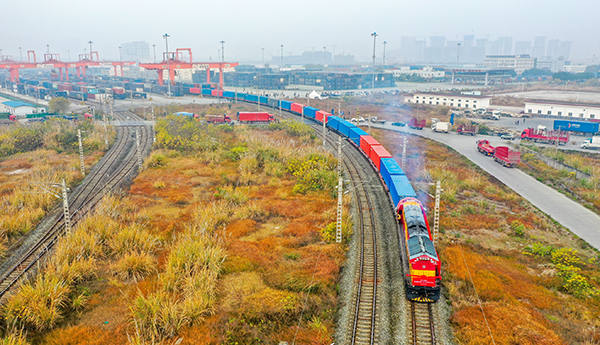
(195, 90)
(320, 115)
(254, 117)
(91, 96)
(297, 108)
(366, 142)
(216, 93)
(376, 153)
(119, 90)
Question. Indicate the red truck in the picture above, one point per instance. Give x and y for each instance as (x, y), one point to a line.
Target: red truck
(484, 147)
(541, 135)
(217, 118)
(467, 129)
(255, 117)
(417, 124)
(506, 156)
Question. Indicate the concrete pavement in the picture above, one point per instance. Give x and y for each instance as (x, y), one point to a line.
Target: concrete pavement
(573, 216)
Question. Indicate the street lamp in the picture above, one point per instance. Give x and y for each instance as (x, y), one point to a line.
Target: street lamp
(222, 51)
(374, 35)
(120, 54)
(281, 56)
(457, 53)
(384, 44)
(48, 48)
(166, 37)
(92, 59)
(21, 53)
(263, 57)
(154, 47)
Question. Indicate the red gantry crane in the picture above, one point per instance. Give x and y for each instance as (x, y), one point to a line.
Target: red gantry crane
(175, 61)
(53, 61)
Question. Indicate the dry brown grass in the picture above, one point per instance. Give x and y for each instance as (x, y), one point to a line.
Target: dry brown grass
(506, 244)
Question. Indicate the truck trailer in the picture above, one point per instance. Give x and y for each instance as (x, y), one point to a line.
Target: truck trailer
(465, 129)
(441, 127)
(592, 143)
(417, 124)
(545, 136)
(506, 156)
(255, 117)
(577, 126)
(484, 147)
(217, 118)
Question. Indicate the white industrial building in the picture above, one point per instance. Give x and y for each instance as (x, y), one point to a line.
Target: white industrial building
(20, 108)
(563, 109)
(519, 63)
(575, 68)
(427, 72)
(451, 100)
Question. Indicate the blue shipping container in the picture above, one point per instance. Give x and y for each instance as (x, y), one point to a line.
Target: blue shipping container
(252, 98)
(577, 126)
(206, 92)
(287, 105)
(228, 94)
(400, 188)
(389, 167)
(334, 122)
(354, 134)
(344, 128)
(310, 112)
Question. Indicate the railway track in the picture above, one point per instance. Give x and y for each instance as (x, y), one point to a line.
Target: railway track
(423, 330)
(117, 165)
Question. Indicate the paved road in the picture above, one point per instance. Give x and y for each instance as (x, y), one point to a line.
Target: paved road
(573, 216)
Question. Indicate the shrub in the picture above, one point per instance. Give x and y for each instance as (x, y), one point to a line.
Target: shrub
(38, 305)
(134, 266)
(539, 249)
(518, 227)
(156, 159)
(156, 317)
(565, 256)
(132, 238)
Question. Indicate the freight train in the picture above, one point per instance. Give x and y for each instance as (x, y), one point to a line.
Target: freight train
(420, 260)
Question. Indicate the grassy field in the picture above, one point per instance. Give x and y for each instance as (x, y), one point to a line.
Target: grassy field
(33, 157)
(509, 271)
(224, 238)
(584, 191)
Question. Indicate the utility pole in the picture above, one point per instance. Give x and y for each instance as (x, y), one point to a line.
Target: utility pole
(166, 37)
(374, 35)
(338, 229)
(436, 217)
(324, 129)
(263, 57)
(404, 154)
(66, 207)
(457, 53)
(81, 153)
(384, 44)
(154, 47)
(281, 57)
(139, 152)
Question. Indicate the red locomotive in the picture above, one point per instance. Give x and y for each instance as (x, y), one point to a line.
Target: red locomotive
(421, 260)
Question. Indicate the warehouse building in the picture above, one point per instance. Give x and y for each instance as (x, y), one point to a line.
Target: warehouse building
(426, 72)
(519, 63)
(563, 109)
(451, 100)
(20, 108)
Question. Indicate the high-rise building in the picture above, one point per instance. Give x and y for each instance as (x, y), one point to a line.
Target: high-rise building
(539, 47)
(496, 47)
(522, 47)
(552, 49)
(565, 49)
(420, 46)
(135, 51)
(408, 49)
(506, 45)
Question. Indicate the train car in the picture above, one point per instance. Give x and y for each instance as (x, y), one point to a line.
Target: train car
(420, 258)
(81, 96)
(273, 103)
(334, 122)
(263, 100)
(310, 112)
(297, 108)
(355, 133)
(228, 94)
(287, 105)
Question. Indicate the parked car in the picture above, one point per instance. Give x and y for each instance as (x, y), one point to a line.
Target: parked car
(400, 124)
(507, 136)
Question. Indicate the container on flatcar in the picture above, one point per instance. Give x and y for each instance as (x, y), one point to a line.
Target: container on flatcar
(388, 168)
(334, 122)
(400, 188)
(287, 105)
(378, 152)
(310, 112)
(354, 134)
(297, 108)
(320, 115)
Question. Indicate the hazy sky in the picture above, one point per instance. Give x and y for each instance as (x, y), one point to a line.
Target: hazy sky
(248, 26)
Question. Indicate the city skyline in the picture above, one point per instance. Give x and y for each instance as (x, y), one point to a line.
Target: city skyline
(248, 28)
